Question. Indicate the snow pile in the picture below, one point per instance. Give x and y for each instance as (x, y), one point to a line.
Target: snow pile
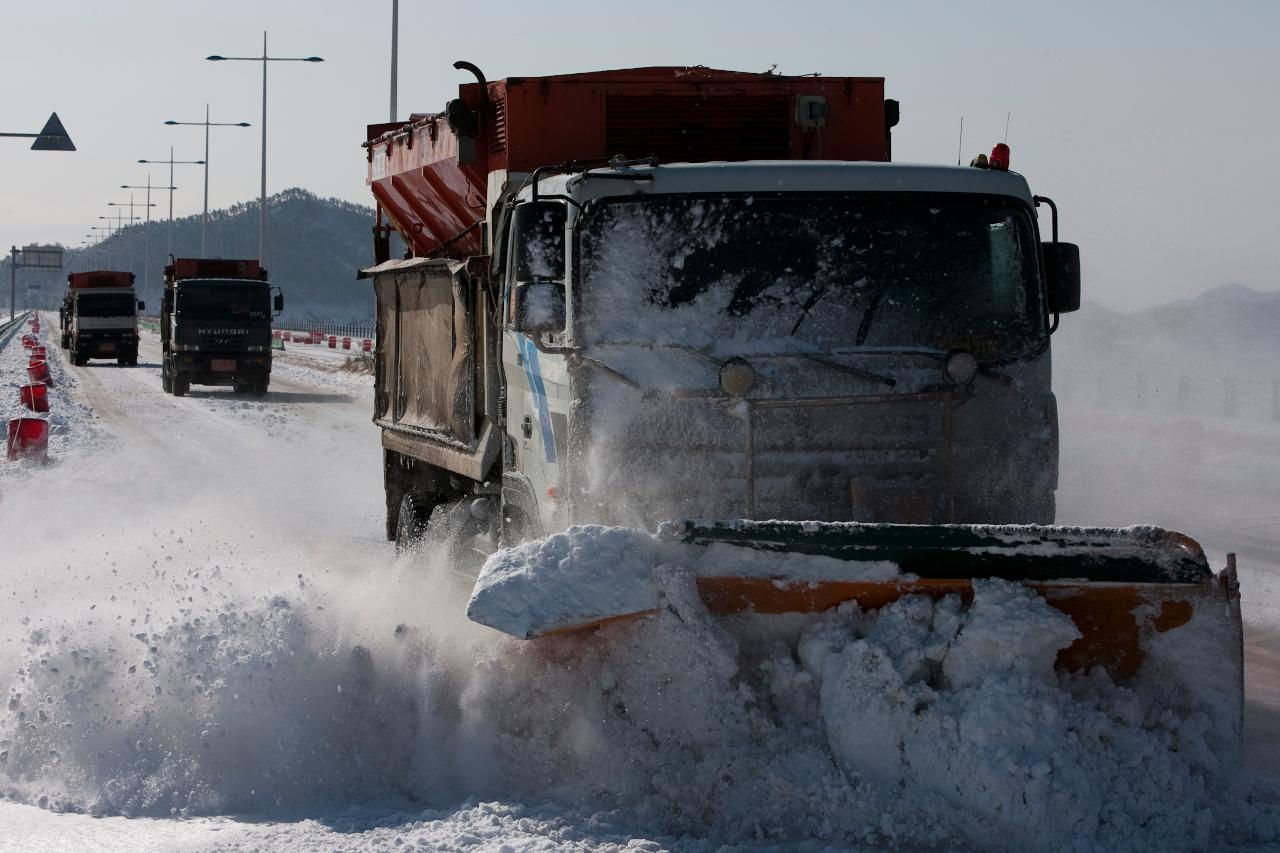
(927, 723)
(229, 711)
(592, 573)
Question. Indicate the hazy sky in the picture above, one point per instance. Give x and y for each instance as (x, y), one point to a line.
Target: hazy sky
(1154, 126)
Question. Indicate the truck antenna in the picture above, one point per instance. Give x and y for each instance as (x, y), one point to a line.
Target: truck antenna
(1007, 117)
(960, 145)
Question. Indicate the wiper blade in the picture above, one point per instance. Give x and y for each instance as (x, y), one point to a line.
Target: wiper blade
(835, 365)
(606, 369)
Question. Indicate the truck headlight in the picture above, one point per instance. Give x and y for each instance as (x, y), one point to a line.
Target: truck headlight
(960, 367)
(255, 348)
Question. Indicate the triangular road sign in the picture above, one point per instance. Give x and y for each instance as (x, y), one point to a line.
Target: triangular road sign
(53, 137)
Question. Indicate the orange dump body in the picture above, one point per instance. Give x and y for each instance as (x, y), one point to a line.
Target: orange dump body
(99, 279)
(430, 175)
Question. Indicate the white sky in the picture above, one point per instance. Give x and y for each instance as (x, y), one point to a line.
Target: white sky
(1153, 125)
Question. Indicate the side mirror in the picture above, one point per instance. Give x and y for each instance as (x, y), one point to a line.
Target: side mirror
(142, 306)
(277, 304)
(537, 240)
(1062, 276)
(539, 307)
(536, 266)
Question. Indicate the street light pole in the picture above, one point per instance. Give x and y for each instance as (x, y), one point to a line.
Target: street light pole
(204, 221)
(146, 234)
(262, 198)
(132, 219)
(395, 65)
(171, 161)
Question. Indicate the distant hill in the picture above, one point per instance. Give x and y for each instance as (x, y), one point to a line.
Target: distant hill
(314, 248)
(1232, 328)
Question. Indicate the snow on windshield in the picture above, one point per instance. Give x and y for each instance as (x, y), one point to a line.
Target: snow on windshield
(735, 274)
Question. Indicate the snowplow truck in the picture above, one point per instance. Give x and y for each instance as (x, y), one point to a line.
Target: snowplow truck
(99, 317)
(709, 302)
(215, 325)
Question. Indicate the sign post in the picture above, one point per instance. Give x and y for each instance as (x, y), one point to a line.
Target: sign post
(32, 255)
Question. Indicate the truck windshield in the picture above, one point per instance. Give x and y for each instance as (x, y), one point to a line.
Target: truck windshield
(749, 274)
(223, 300)
(105, 305)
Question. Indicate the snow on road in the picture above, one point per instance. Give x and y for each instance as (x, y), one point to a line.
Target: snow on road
(208, 646)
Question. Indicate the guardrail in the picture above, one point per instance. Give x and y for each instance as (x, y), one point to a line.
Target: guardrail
(9, 326)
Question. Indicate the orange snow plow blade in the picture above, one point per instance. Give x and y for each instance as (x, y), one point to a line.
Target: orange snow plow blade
(1120, 586)
(1112, 619)
(1147, 606)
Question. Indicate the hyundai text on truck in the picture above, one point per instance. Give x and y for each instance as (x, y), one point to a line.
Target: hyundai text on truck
(215, 325)
(99, 317)
(708, 302)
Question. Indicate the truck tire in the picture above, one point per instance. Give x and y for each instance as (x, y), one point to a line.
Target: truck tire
(411, 523)
(79, 360)
(166, 381)
(180, 385)
(66, 342)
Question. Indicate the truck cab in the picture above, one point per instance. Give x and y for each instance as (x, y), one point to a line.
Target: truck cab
(820, 340)
(215, 325)
(99, 317)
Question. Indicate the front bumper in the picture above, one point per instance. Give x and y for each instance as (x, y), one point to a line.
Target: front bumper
(225, 368)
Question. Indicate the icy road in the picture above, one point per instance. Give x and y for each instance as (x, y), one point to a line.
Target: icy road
(207, 645)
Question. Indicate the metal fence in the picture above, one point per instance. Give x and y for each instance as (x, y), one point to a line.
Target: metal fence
(326, 329)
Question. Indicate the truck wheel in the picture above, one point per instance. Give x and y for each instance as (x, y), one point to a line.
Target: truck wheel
(66, 342)
(258, 389)
(166, 381)
(181, 385)
(78, 360)
(132, 359)
(453, 529)
(411, 524)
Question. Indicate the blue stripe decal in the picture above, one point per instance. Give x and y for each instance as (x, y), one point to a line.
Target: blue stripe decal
(533, 375)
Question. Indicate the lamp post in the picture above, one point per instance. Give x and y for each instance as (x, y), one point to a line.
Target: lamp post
(171, 163)
(262, 197)
(132, 219)
(146, 233)
(114, 232)
(95, 246)
(206, 124)
(395, 64)
(101, 240)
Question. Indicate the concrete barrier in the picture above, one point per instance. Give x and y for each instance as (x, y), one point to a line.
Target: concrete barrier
(333, 342)
(366, 345)
(346, 343)
(28, 438)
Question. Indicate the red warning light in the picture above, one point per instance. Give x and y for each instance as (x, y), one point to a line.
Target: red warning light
(1000, 157)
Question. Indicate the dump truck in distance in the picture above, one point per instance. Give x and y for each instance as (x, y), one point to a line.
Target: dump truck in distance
(99, 317)
(215, 325)
(708, 302)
